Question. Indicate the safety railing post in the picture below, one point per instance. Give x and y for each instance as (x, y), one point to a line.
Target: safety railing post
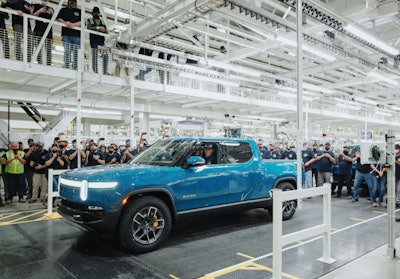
(50, 193)
(277, 233)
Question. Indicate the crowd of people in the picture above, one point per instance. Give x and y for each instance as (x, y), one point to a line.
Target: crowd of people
(69, 15)
(25, 170)
(318, 162)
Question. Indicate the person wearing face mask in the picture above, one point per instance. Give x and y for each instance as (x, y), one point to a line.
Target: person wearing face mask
(344, 175)
(93, 156)
(43, 11)
(15, 161)
(314, 165)
(277, 153)
(71, 17)
(73, 155)
(111, 157)
(325, 160)
(56, 161)
(95, 23)
(290, 154)
(39, 180)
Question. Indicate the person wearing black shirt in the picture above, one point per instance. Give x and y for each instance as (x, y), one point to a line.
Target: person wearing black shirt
(345, 171)
(46, 12)
(147, 52)
(363, 172)
(71, 17)
(209, 155)
(21, 7)
(28, 170)
(111, 157)
(307, 157)
(38, 163)
(4, 34)
(94, 157)
(95, 23)
(325, 160)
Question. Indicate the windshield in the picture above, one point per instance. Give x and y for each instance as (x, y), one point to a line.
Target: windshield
(164, 153)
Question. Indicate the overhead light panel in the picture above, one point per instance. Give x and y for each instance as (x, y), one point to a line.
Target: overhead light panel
(209, 79)
(312, 50)
(381, 77)
(383, 113)
(358, 32)
(365, 100)
(97, 112)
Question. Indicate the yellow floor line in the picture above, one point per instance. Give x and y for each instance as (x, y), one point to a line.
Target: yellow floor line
(10, 215)
(245, 266)
(27, 216)
(173, 276)
(244, 255)
(379, 212)
(356, 219)
(23, 220)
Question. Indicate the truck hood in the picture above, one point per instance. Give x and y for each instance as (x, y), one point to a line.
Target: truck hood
(110, 172)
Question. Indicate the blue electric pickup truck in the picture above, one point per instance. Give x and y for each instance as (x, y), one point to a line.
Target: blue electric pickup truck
(139, 201)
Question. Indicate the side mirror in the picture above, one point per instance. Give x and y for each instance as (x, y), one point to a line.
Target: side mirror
(194, 161)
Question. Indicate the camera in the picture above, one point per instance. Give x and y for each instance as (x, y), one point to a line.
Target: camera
(61, 145)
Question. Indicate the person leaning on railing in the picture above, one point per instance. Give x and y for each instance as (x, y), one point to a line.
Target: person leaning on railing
(4, 34)
(71, 17)
(95, 23)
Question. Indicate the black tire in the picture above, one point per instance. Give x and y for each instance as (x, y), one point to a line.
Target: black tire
(145, 225)
(288, 207)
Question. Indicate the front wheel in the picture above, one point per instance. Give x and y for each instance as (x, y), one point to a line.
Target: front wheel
(145, 225)
(288, 207)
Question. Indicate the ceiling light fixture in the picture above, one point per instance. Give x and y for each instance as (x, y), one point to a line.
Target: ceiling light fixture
(356, 31)
(312, 50)
(209, 79)
(383, 113)
(97, 112)
(348, 106)
(378, 76)
(365, 100)
(291, 95)
(231, 67)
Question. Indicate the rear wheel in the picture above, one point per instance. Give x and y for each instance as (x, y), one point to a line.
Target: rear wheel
(145, 225)
(288, 207)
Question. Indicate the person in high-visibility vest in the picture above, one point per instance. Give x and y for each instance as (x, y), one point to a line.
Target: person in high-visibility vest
(15, 172)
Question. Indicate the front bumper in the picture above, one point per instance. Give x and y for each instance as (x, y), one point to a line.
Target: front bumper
(98, 220)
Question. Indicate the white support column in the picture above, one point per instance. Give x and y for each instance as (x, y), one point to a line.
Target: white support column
(144, 122)
(299, 75)
(391, 195)
(132, 110)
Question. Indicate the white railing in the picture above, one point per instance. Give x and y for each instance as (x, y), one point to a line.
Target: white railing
(324, 229)
(50, 193)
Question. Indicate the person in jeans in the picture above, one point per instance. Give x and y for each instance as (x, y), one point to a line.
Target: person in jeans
(308, 157)
(379, 179)
(71, 17)
(95, 23)
(363, 172)
(3, 33)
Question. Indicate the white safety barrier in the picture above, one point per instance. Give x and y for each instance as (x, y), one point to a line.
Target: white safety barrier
(50, 193)
(280, 240)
